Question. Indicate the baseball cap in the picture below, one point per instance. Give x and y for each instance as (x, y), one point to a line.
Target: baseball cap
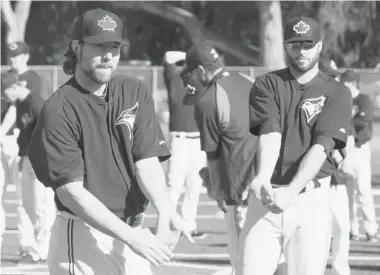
(99, 26)
(302, 29)
(201, 54)
(17, 48)
(328, 66)
(349, 76)
(7, 79)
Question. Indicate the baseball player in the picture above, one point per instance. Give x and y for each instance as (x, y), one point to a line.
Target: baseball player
(98, 145)
(36, 199)
(299, 115)
(33, 236)
(186, 156)
(340, 246)
(361, 192)
(221, 112)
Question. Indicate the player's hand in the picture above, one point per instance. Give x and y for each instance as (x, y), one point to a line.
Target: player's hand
(205, 176)
(171, 220)
(283, 197)
(347, 167)
(262, 190)
(148, 246)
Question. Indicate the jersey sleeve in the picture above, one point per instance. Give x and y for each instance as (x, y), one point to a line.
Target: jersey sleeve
(263, 109)
(53, 149)
(335, 118)
(148, 138)
(207, 119)
(365, 113)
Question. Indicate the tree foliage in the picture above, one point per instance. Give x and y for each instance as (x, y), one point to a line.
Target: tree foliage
(352, 29)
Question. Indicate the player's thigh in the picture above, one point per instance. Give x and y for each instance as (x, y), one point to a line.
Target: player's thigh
(178, 162)
(260, 241)
(307, 250)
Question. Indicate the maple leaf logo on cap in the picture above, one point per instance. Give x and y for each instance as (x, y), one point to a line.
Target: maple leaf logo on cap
(301, 27)
(107, 23)
(12, 46)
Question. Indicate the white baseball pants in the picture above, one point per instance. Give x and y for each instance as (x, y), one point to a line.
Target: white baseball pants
(76, 248)
(360, 193)
(38, 202)
(184, 165)
(340, 230)
(302, 233)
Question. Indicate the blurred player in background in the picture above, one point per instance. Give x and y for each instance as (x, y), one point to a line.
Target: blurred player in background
(185, 146)
(222, 113)
(340, 246)
(360, 195)
(33, 234)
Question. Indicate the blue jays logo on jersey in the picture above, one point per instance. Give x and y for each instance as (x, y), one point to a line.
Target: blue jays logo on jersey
(127, 118)
(313, 106)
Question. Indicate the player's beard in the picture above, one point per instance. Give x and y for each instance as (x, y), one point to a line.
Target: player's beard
(99, 75)
(302, 68)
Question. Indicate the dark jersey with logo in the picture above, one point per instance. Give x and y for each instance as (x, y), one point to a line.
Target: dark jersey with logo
(303, 114)
(26, 119)
(222, 116)
(181, 116)
(80, 136)
(362, 119)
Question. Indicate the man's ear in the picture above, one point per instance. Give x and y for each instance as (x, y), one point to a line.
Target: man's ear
(75, 46)
(320, 46)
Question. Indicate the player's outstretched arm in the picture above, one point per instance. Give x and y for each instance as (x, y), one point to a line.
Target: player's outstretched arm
(92, 211)
(8, 122)
(151, 179)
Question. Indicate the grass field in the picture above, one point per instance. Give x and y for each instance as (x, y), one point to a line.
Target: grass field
(209, 255)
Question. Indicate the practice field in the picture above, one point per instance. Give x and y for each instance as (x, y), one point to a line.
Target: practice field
(208, 255)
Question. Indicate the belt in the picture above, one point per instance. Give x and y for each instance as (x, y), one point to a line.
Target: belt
(134, 221)
(189, 137)
(310, 186)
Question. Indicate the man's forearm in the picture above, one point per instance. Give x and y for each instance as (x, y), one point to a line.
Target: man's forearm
(309, 167)
(8, 121)
(268, 150)
(350, 147)
(92, 211)
(152, 181)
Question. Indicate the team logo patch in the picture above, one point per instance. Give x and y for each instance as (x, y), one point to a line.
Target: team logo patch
(313, 106)
(128, 118)
(190, 89)
(107, 23)
(301, 27)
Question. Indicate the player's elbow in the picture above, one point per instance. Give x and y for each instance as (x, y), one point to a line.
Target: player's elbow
(73, 191)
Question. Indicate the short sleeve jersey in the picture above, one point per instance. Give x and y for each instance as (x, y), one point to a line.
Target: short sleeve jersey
(181, 116)
(302, 114)
(222, 115)
(80, 136)
(362, 120)
(26, 119)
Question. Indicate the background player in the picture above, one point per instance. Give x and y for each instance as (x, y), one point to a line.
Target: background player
(186, 156)
(97, 143)
(222, 113)
(36, 199)
(362, 119)
(300, 116)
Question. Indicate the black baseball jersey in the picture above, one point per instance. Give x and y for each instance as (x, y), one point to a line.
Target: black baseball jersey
(222, 115)
(80, 136)
(26, 118)
(363, 119)
(181, 116)
(316, 112)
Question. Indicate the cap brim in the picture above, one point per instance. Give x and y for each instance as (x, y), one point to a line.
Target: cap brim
(97, 39)
(300, 39)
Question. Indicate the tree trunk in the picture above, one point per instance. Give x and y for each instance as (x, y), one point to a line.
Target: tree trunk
(16, 19)
(271, 35)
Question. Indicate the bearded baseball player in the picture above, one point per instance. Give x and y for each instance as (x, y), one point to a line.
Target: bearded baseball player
(299, 115)
(222, 115)
(98, 145)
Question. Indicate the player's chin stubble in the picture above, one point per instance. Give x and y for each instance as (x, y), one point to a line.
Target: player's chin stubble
(302, 69)
(98, 77)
